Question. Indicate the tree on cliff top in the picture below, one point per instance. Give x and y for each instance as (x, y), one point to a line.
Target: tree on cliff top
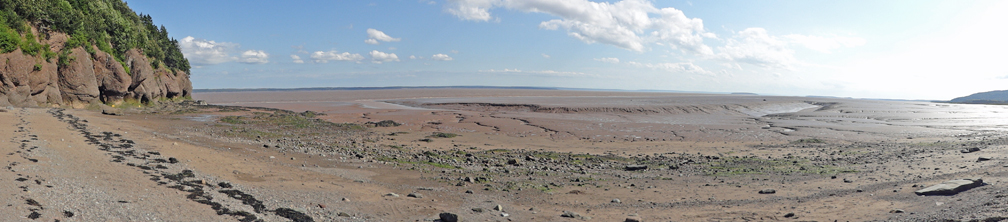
(108, 24)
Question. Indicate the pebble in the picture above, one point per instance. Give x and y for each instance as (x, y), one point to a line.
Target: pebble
(789, 215)
(896, 211)
(767, 191)
(498, 208)
(615, 201)
(392, 195)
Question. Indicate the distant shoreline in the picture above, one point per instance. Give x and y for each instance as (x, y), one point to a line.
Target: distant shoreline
(441, 87)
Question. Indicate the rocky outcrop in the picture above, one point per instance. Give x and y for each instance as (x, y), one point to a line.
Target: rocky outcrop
(32, 81)
(77, 81)
(113, 81)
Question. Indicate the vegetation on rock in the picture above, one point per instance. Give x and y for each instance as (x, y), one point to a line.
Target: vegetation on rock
(108, 24)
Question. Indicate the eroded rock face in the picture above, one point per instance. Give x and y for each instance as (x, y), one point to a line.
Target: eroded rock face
(77, 80)
(31, 81)
(144, 86)
(113, 81)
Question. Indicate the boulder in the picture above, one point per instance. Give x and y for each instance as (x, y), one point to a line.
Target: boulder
(950, 187)
(970, 150)
(448, 217)
(575, 215)
(636, 167)
(77, 80)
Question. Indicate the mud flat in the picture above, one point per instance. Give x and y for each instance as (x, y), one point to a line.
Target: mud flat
(505, 155)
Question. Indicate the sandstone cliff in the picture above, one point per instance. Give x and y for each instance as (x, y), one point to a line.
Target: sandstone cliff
(32, 81)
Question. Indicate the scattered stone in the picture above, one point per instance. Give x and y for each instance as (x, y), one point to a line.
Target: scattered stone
(896, 211)
(950, 187)
(292, 158)
(512, 162)
(478, 210)
(789, 215)
(415, 195)
(636, 167)
(392, 195)
(615, 201)
(346, 200)
(505, 214)
(343, 214)
(321, 206)
(448, 217)
(633, 219)
(970, 150)
(499, 208)
(767, 191)
(569, 214)
(984, 158)
(469, 191)
(845, 180)
(112, 111)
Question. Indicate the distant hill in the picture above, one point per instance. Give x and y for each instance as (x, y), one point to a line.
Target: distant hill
(992, 97)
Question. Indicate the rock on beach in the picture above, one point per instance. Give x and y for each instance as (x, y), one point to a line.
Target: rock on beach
(951, 187)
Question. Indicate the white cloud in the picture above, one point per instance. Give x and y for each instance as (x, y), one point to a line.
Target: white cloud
(755, 46)
(628, 24)
(374, 36)
(380, 57)
(441, 57)
(474, 10)
(545, 56)
(454, 51)
(608, 60)
(297, 59)
(825, 44)
(412, 57)
(206, 52)
(325, 57)
(254, 57)
(538, 73)
(682, 67)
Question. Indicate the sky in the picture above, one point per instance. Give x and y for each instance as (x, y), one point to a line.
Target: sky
(935, 50)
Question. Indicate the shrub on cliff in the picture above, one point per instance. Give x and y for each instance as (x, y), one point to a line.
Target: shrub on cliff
(108, 24)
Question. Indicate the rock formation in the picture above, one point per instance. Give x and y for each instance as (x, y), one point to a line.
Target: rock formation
(32, 81)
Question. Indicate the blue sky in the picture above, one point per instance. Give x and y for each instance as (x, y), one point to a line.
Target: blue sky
(864, 49)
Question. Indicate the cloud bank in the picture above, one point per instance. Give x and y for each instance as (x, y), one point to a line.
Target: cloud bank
(630, 24)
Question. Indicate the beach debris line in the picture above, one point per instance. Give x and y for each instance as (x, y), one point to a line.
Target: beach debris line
(152, 163)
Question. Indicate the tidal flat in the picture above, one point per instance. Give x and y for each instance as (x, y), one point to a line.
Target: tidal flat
(517, 155)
